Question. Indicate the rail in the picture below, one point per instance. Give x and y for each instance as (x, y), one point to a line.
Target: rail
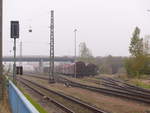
(124, 93)
(71, 99)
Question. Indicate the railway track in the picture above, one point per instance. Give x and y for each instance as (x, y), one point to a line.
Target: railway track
(67, 103)
(125, 85)
(67, 110)
(122, 86)
(115, 91)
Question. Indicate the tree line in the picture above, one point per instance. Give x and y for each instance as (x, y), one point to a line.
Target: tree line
(136, 65)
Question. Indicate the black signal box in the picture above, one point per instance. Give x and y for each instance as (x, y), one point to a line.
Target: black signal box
(14, 29)
(19, 70)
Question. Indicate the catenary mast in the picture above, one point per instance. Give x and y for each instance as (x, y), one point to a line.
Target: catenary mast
(51, 70)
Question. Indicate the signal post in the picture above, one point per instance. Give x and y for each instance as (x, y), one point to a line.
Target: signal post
(14, 35)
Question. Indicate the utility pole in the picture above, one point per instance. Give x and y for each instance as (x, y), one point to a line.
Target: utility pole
(1, 65)
(20, 53)
(75, 74)
(14, 65)
(51, 70)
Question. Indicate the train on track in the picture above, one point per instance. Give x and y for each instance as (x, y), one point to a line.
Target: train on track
(82, 69)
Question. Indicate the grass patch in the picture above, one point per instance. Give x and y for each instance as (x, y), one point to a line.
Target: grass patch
(35, 104)
(141, 84)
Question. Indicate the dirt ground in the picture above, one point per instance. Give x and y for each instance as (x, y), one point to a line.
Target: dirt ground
(108, 103)
(146, 81)
(4, 105)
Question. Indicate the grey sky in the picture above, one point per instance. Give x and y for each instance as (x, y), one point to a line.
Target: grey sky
(105, 25)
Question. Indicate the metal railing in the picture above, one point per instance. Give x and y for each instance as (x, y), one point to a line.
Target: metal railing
(18, 102)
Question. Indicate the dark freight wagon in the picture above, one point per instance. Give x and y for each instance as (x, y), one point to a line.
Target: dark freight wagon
(81, 69)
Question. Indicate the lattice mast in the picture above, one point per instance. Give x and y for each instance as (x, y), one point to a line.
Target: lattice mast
(51, 73)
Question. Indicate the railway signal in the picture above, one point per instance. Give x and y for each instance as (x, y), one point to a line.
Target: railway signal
(14, 35)
(19, 70)
(14, 29)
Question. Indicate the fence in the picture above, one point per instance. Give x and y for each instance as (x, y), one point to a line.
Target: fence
(18, 102)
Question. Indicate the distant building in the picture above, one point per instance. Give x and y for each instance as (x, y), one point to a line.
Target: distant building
(147, 44)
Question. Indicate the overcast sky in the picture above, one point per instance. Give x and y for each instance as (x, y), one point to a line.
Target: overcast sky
(104, 25)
